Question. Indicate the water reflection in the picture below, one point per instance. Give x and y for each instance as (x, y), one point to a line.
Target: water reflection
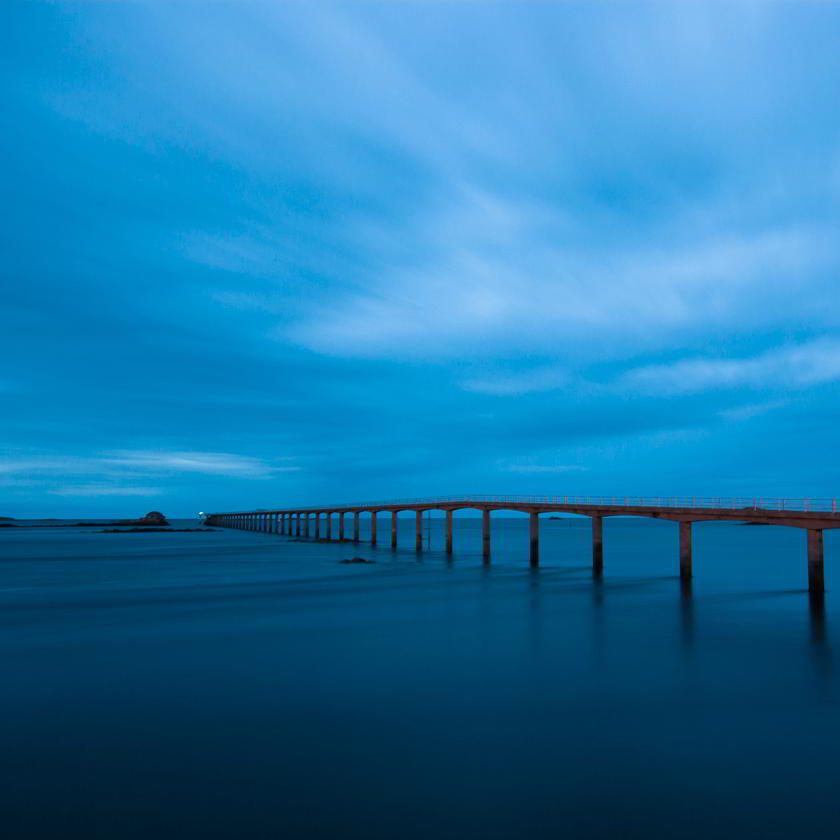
(820, 648)
(687, 612)
(816, 610)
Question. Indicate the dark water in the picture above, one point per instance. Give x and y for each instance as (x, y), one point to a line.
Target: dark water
(233, 684)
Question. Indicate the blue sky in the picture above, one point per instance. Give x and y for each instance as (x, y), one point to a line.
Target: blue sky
(267, 254)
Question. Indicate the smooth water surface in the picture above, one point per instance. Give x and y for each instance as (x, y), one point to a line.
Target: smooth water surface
(233, 684)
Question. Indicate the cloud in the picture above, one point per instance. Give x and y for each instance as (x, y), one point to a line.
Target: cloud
(208, 463)
(541, 379)
(131, 462)
(544, 468)
(747, 412)
(792, 366)
(496, 274)
(105, 490)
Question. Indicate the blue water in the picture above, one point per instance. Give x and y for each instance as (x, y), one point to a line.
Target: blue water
(234, 684)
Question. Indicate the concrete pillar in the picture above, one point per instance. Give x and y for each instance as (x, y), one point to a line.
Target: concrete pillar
(297, 524)
(317, 526)
(597, 545)
(534, 533)
(356, 526)
(373, 527)
(685, 550)
(341, 526)
(393, 529)
(329, 525)
(485, 533)
(815, 560)
(449, 531)
(306, 518)
(418, 530)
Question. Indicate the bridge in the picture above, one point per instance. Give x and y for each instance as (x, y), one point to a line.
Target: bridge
(812, 515)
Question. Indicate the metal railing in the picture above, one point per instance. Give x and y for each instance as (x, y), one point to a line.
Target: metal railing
(753, 503)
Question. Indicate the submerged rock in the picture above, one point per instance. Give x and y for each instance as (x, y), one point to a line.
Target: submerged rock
(356, 560)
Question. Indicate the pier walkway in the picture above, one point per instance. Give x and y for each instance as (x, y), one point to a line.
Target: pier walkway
(812, 515)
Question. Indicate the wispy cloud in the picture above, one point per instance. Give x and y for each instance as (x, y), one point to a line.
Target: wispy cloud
(542, 379)
(208, 463)
(792, 366)
(133, 462)
(93, 490)
(534, 466)
(747, 412)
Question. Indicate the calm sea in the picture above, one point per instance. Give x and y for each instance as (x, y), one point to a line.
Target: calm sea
(233, 685)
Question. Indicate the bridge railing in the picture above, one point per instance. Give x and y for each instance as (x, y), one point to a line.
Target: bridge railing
(711, 502)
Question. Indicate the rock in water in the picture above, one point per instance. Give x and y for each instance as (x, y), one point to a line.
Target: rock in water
(356, 560)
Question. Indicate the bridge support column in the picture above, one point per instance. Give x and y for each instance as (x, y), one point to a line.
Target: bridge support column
(356, 526)
(685, 550)
(329, 525)
(317, 526)
(597, 545)
(815, 560)
(373, 527)
(341, 527)
(449, 532)
(534, 532)
(418, 530)
(297, 524)
(485, 533)
(393, 529)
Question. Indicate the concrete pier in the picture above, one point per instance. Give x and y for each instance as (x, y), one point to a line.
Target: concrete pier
(534, 534)
(597, 545)
(685, 550)
(418, 531)
(813, 515)
(816, 582)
